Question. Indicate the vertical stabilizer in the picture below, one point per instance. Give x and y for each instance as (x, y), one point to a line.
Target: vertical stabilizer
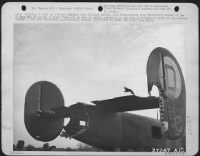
(164, 72)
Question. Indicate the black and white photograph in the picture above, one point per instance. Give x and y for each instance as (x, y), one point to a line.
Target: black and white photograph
(100, 87)
(97, 73)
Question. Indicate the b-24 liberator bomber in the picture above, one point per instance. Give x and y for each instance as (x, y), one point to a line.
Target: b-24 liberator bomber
(107, 124)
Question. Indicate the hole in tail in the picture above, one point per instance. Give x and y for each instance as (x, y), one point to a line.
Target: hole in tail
(155, 91)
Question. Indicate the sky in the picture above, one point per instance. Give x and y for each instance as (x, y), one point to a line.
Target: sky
(87, 62)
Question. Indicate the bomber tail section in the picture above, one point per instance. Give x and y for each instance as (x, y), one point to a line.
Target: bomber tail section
(44, 111)
(164, 72)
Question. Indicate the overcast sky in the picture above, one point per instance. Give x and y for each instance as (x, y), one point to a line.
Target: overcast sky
(87, 62)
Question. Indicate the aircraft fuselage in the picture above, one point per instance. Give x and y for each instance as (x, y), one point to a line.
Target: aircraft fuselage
(119, 130)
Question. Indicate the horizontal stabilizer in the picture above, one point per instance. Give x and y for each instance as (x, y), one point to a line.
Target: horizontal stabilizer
(127, 103)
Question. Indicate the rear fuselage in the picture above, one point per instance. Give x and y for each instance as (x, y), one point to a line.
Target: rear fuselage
(119, 130)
